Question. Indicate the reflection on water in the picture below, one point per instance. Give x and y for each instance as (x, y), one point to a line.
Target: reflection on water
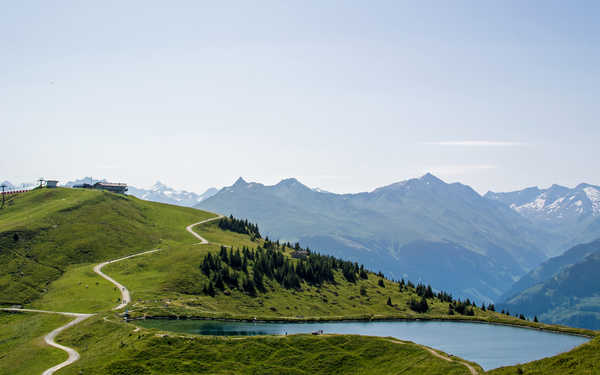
(489, 345)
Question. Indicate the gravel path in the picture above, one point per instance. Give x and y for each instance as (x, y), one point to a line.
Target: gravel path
(125, 300)
(125, 296)
(203, 241)
(49, 338)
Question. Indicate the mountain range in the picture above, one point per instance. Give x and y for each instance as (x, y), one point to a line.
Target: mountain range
(573, 213)
(487, 248)
(162, 193)
(159, 192)
(421, 228)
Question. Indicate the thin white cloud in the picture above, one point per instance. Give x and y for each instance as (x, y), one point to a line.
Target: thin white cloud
(476, 143)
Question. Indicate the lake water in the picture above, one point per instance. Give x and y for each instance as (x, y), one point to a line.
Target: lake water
(491, 346)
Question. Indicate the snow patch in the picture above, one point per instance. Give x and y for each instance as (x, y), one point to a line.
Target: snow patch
(555, 205)
(594, 196)
(537, 205)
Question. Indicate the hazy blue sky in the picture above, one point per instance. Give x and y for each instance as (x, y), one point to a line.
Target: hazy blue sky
(345, 96)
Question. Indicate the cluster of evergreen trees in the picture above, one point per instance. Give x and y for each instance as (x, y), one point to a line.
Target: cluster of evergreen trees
(246, 269)
(462, 307)
(239, 226)
(420, 306)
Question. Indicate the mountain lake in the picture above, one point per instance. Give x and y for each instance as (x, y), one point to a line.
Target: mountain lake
(489, 345)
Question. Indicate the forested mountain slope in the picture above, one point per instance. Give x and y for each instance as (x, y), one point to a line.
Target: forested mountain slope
(570, 296)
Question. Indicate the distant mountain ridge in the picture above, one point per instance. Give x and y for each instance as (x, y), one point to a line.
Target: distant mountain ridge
(574, 212)
(557, 203)
(562, 290)
(159, 192)
(376, 227)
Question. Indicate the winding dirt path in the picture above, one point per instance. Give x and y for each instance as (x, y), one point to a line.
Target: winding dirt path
(125, 300)
(471, 368)
(203, 241)
(49, 338)
(125, 296)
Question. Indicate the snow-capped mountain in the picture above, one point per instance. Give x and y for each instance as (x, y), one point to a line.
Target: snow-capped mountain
(572, 213)
(159, 192)
(555, 204)
(165, 194)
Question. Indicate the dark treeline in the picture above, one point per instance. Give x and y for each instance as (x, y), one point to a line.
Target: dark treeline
(246, 269)
(239, 226)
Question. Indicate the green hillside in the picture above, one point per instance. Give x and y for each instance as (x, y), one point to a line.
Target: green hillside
(583, 360)
(22, 347)
(44, 232)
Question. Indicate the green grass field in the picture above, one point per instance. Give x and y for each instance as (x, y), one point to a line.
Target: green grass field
(44, 233)
(22, 347)
(583, 360)
(80, 290)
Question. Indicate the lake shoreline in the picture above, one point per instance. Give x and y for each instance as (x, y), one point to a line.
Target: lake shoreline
(491, 346)
(552, 329)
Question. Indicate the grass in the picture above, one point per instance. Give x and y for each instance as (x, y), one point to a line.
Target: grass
(45, 232)
(79, 290)
(22, 347)
(583, 360)
(116, 348)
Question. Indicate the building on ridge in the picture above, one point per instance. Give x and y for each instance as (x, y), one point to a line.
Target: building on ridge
(118, 188)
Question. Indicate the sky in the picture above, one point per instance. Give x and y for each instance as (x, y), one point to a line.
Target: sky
(343, 95)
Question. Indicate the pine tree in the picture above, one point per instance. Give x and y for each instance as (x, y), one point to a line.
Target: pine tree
(258, 279)
(389, 301)
(535, 319)
(211, 289)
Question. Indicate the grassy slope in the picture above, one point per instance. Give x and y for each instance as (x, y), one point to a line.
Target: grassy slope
(583, 360)
(22, 347)
(117, 349)
(170, 283)
(59, 228)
